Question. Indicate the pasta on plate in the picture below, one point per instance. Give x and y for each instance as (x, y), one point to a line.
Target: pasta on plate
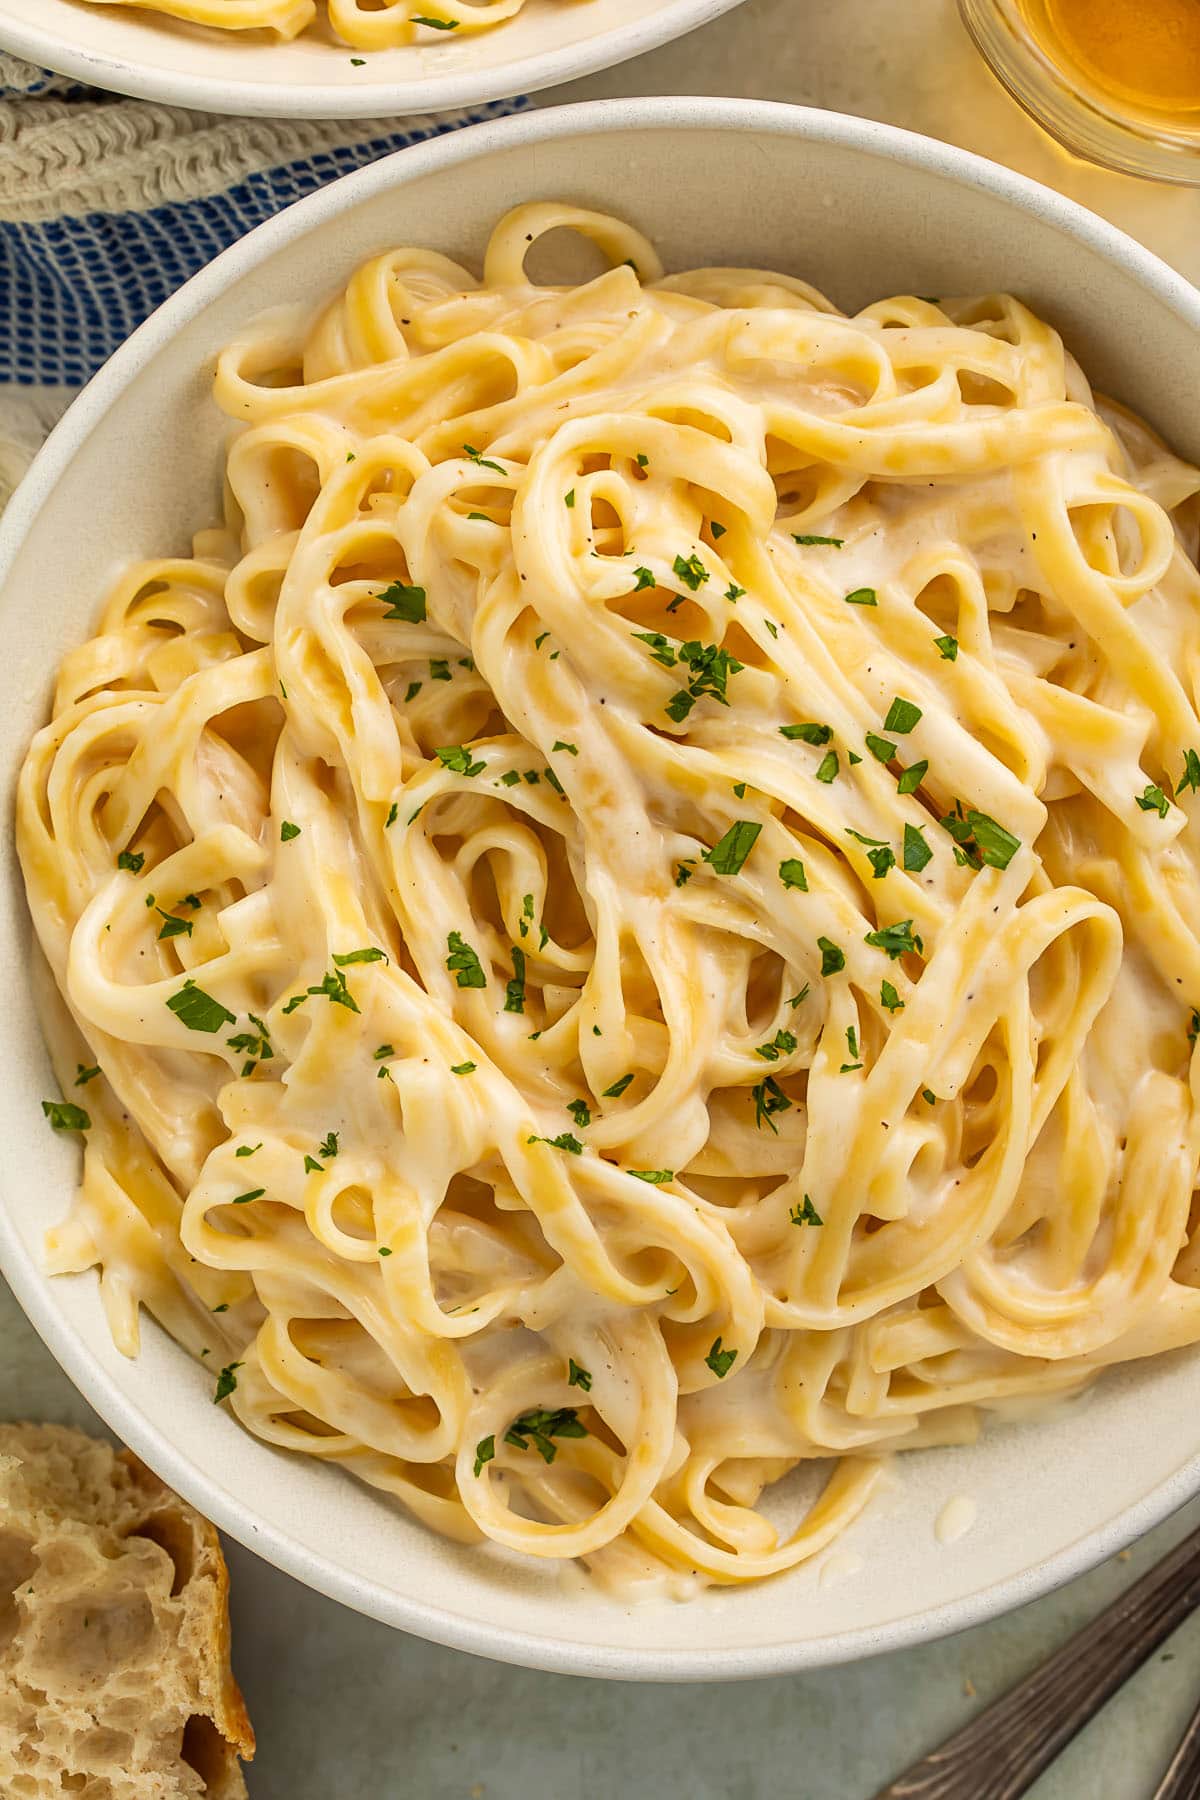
(361, 26)
(632, 920)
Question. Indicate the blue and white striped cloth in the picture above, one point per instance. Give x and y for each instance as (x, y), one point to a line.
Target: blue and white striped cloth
(107, 205)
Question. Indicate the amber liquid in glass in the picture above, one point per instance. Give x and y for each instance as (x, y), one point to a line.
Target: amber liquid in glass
(1141, 57)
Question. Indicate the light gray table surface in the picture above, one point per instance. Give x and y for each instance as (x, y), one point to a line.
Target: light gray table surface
(346, 1709)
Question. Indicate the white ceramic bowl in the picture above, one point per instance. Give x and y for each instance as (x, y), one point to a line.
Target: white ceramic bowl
(133, 52)
(863, 210)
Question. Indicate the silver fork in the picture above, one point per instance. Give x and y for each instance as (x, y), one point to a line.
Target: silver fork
(999, 1755)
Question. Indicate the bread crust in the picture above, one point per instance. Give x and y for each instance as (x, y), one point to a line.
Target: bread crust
(114, 1630)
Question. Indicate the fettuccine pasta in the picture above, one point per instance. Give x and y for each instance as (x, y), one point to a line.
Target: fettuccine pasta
(632, 923)
(380, 26)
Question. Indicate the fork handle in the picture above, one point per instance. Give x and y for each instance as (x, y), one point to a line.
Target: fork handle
(1000, 1754)
(1182, 1778)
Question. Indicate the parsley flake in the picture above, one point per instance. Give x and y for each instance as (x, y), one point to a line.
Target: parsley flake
(720, 1361)
(404, 602)
(729, 853)
(463, 962)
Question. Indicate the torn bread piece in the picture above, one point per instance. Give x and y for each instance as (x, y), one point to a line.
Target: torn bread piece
(115, 1680)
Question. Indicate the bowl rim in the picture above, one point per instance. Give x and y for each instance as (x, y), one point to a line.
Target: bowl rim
(443, 92)
(34, 1290)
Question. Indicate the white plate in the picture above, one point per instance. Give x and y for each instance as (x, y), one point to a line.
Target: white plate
(156, 58)
(863, 210)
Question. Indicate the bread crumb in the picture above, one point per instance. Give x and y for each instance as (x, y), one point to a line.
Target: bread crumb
(1124, 1555)
(968, 1687)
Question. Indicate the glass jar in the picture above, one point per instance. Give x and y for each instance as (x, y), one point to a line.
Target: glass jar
(1116, 81)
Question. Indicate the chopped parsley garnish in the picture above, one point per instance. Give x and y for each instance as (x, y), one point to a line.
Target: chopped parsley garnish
(881, 860)
(806, 1214)
(947, 647)
(791, 873)
(288, 831)
(443, 25)
(912, 777)
(655, 1177)
(833, 959)
(861, 838)
(552, 778)
(1193, 1030)
(311, 1167)
(83, 1074)
(457, 758)
(198, 1010)
(254, 1044)
(618, 1088)
(643, 461)
(173, 926)
(569, 499)
(329, 1145)
(862, 597)
(660, 647)
(581, 1112)
(526, 919)
(644, 578)
(729, 853)
(798, 999)
(897, 940)
(733, 593)
(1152, 800)
(928, 1095)
(1191, 772)
(852, 1049)
(880, 748)
(511, 777)
(565, 1140)
(413, 689)
(718, 531)
(811, 537)
(475, 455)
(916, 851)
(257, 1193)
(404, 602)
(692, 571)
(382, 1052)
(463, 963)
(769, 1098)
(371, 954)
(561, 744)
(439, 669)
(827, 769)
(131, 860)
(890, 998)
(996, 846)
(710, 668)
(739, 788)
(64, 1115)
(247, 1149)
(331, 987)
(683, 874)
(467, 1068)
(485, 1450)
(902, 716)
(782, 1044)
(577, 1376)
(226, 1382)
(808, 734)
(539, 1427)
(720, 1361)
